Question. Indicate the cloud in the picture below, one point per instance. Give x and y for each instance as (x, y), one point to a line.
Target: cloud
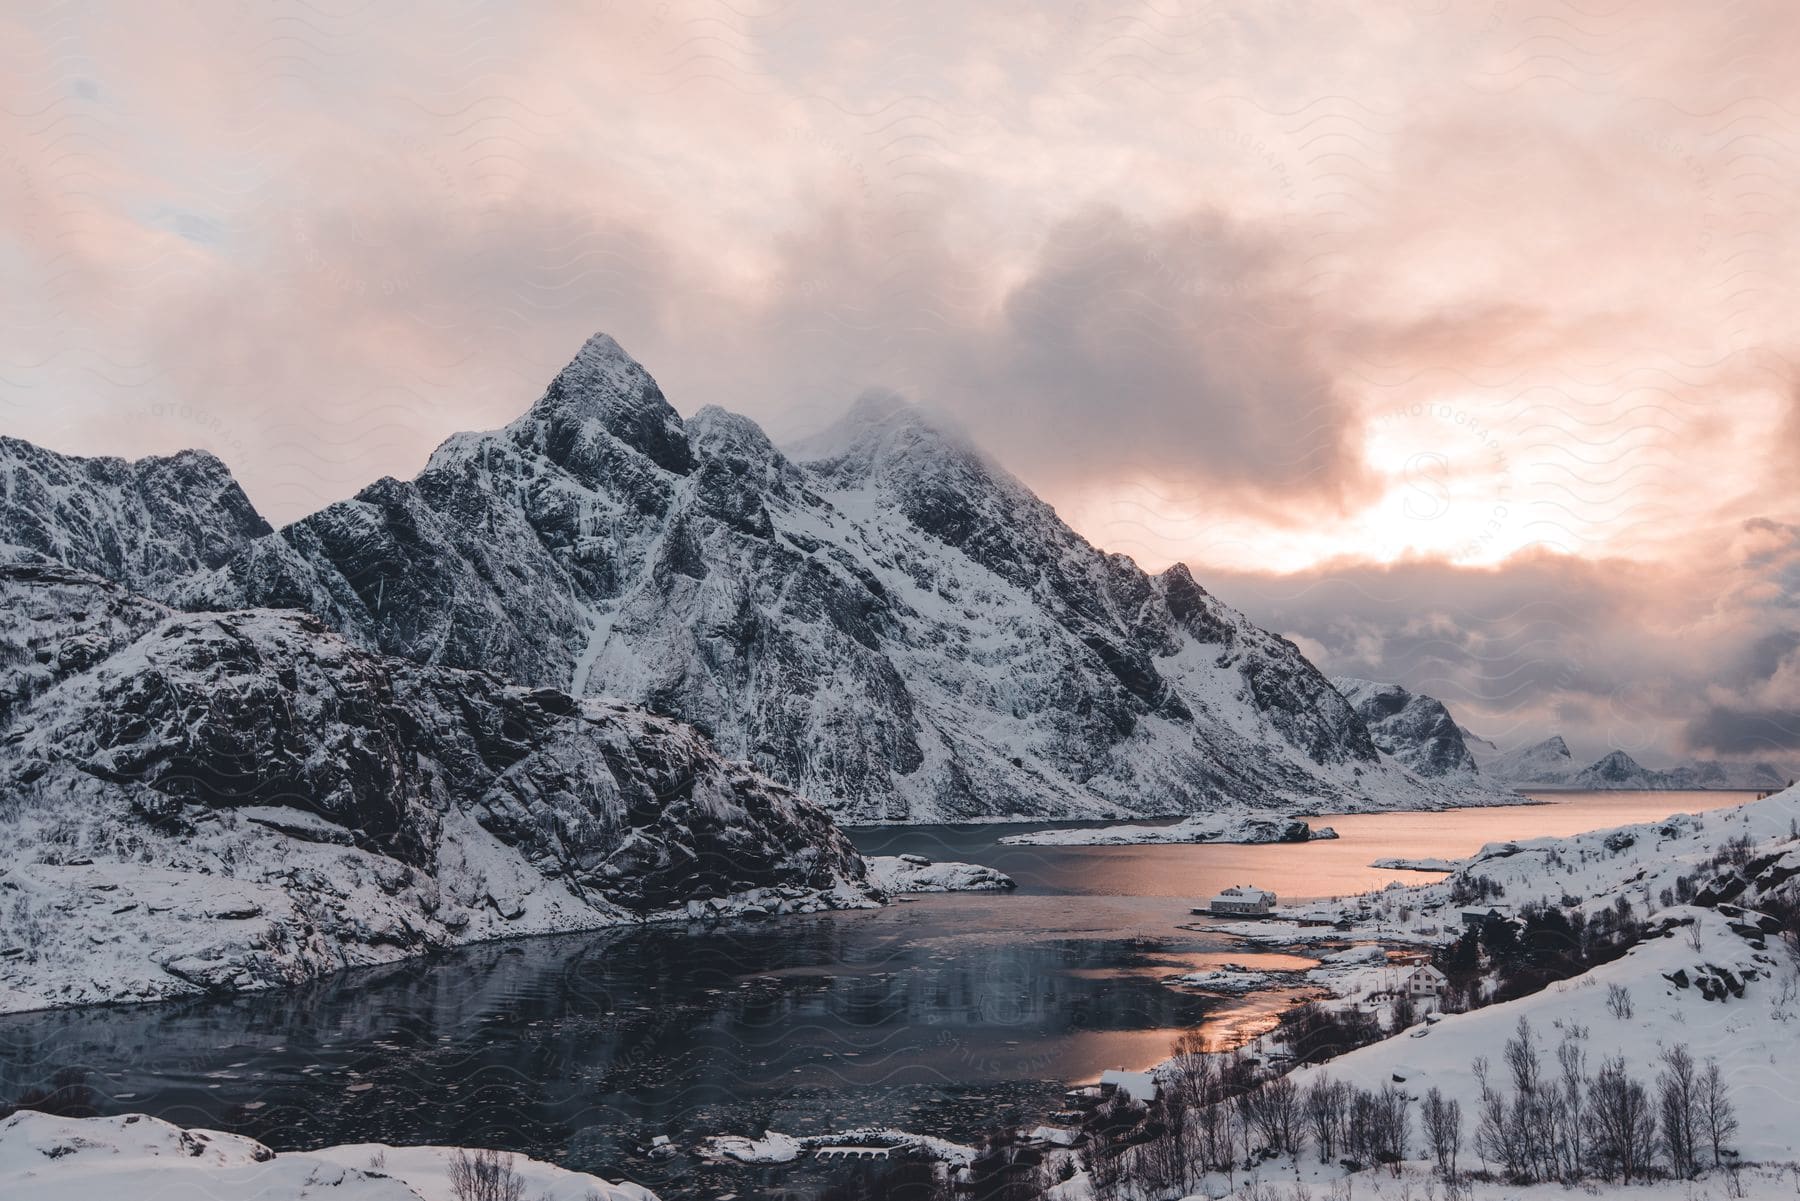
(1661, 660)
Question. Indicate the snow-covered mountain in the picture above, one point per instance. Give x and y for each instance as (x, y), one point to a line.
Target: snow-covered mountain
(222, 801)
(1549, 764)
(1618, 770)
(884, 620)
(1414, 728)
(1712, 773)
(146, 524)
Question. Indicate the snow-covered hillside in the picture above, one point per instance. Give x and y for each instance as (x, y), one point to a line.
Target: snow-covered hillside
(50, 1158)
(1711, 974)
(228, 801)
(1751, 1036)
(884, 620)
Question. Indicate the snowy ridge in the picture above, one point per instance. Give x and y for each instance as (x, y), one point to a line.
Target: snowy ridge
(1242, 827)
(147, 524)
(231, 801)
(885, 621)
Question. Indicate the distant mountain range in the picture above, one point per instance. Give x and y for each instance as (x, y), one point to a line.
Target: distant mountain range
(881, 618)
(1419, 731)
(1548, 764)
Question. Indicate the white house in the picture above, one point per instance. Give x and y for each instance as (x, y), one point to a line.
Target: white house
(1424, 981)
(1243, 900)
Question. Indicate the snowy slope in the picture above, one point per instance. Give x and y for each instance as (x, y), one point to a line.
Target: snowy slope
(147, 524)
(1708, 976)
(1752, 1037)
(1414, 728)
(146, 1159)
(228, 801)
(885, 620)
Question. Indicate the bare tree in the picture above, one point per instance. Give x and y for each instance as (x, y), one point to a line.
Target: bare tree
(1191, 1072)
(1618, 1001)
(1573, 1062)
(1678, 1103)
(485, 1176)
(1105, 1171)
(1623, 1121)
(1277, 1112)
(1172, 1153)
(1443, 1131)
(1325, 1105)
(1718, 1116)
(1494, 1140)
(1393, 1116)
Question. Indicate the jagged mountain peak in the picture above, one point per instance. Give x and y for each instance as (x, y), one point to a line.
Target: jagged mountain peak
(604, 390)
(713, 430)
(880, 428)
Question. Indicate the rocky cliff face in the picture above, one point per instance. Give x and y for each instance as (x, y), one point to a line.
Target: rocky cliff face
(147, 524)
(883, 620)
(231, 800)
(1414, 728)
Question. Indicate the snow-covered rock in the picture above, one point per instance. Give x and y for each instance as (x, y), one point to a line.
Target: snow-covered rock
(1419, 864)
(1236, 827)
(885, 620)
(1226, 980)
(229, 801)
(772, 1147)
(915, 873)
(79, 1159)
(147, 524)
(1414, 728)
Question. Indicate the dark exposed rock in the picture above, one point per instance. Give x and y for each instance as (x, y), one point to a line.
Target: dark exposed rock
(147, 524)
(223, 744)
(1414, 728)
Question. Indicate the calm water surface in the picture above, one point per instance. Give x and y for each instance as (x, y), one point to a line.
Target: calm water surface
(943, 1015)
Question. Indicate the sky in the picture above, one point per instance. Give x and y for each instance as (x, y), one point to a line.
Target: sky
(1453, 340)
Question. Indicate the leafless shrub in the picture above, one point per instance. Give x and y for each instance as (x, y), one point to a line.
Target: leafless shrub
(486, 1175)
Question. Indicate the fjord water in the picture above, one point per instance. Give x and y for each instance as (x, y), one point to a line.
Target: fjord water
(945, 1014)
